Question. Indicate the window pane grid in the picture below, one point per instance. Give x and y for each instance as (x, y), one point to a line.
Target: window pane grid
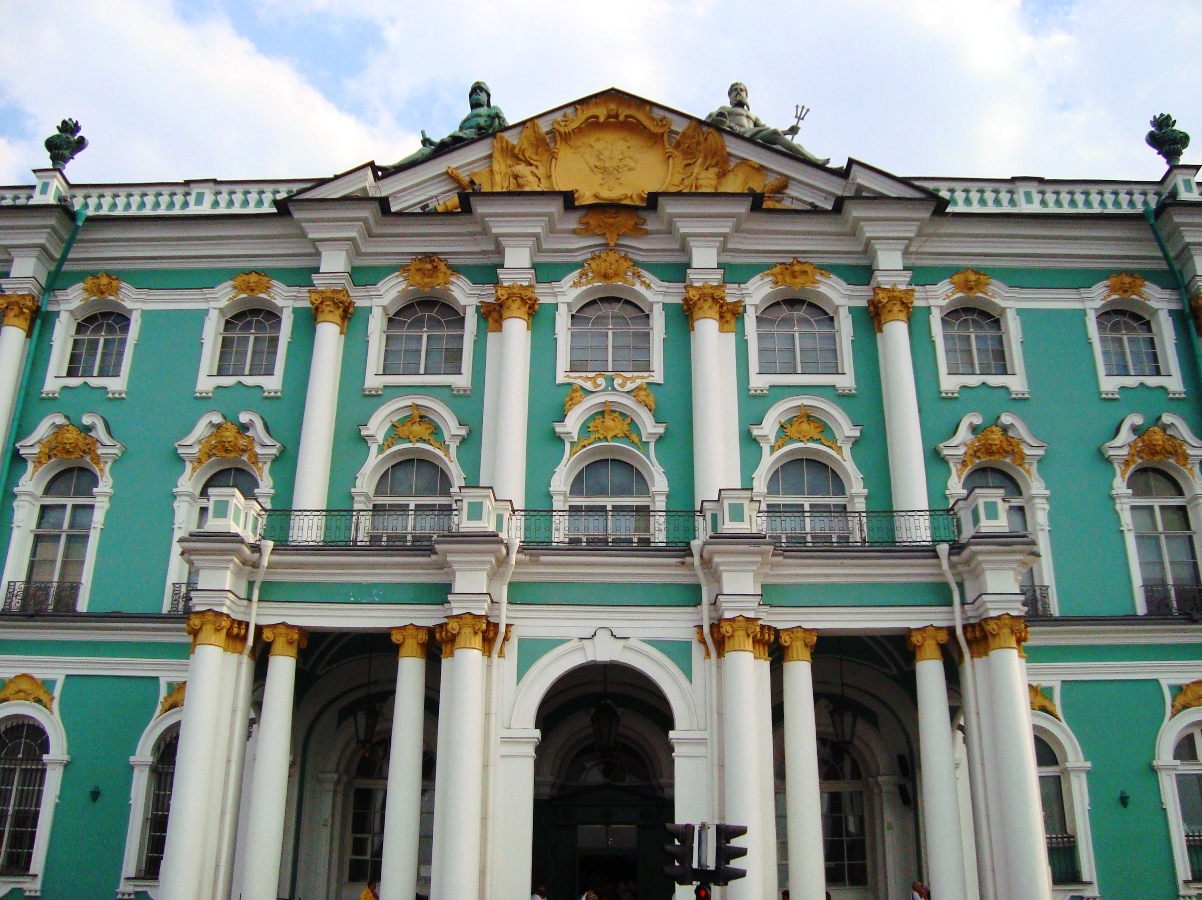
(610, 335)
(1128, 344)
(22, 775)
(250, 341)
(160, 780)
(424, 337)
(973, 343)
(797, 336)
(98, 347)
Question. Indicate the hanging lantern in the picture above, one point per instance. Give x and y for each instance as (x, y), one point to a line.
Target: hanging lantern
(367, 717)
(605, 720)
(844, 719)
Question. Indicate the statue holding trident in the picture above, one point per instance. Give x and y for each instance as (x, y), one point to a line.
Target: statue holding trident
(739, 118)
(483, 119)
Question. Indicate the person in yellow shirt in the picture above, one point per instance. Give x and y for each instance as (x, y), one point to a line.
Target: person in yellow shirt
(370, 892)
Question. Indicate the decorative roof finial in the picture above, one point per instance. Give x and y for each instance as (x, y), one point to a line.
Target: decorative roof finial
(1166, 139)
(66, 144)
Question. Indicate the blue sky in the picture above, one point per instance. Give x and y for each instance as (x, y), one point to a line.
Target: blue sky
(296, 88)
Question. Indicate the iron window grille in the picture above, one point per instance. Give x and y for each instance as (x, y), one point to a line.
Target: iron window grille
(411, 504)
(23, 744)
(160, 780)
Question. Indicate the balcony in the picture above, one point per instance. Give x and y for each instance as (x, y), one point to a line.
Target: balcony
(32, 597)
(1062, 858)
(181, 598)
(1174, 600)
(1038, 601)
(1193, 846)
(389, 528)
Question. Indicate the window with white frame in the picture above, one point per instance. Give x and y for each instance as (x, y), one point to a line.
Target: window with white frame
(806, 503)
(1128, 343)
(1188, 754)
(424, 337)
(844, 823)
(797, 336)
(1134, 343)
(62, 530)
(232, 476)
(23, 746)
(978, 340)
(160, 779)
(250, 342)
(1164, 542)
(93, 344)
(411, 503)
(1061, 841)
(973, 342)
(609, 502)
(610, 334)
(367, 814)
(98, 347)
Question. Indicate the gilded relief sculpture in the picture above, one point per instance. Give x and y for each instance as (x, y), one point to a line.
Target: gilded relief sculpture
(739, 118)
(483, 119)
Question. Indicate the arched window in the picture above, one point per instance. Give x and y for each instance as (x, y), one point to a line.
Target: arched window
(797, 336)
(844, 833)
(235, 477)
(98, 348)
(610, 335)
(973, 342)
(990, 477)
(61, 534)
(160, 779)
(1128, 343)
(1188, 754)
(1062, 843)
(424, 337)
(250, 341)
(807, 504)
(367, 814)
(411, 503)
(1164, 543)
(609, 502)
(23, 744)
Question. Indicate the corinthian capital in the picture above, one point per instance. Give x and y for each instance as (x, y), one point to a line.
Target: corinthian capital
(411, 641)
(798, 643)
(513, 301)
(890, 304)
(332, 305)
(209, 628)
(1005, 632)
(285, 640)
(462, 632)
(925, 643)
(19, 310)
(708, 301)
(736, 634)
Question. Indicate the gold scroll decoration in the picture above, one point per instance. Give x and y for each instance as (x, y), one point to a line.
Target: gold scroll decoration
(252, 284)
(796, 274)
(574, 398)
(614, 149)
(607, 426)
(970, 282)
(68, 442)
(175, 699)
(611, 223)
(890, 304)
(1156, 445)
(332, 305)
(19, 310)
(417, 429)
(610, 267)
(643, 395)
(29, 689)
(1126, 285)
(993, 444)
(227, 442)
(1188, 697)
(708, 301)
(102, 286)
(426, 272)
(513, 301)
(1041, 702)
(805, 429)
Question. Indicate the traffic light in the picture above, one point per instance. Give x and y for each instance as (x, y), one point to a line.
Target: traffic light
(681, 850)
(702, 892)
(724, 852)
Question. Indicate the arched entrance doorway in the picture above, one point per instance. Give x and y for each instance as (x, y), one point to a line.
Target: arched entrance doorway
(603, 786)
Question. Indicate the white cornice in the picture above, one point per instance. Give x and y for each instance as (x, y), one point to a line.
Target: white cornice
(51, 666)
(1176, 672)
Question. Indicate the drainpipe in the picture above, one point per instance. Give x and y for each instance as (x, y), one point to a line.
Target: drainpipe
(31, 345)
(494, 737)
(711, 679)
(1178, 277)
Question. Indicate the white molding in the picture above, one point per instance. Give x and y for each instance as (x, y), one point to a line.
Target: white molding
(45, 667)
(999, 301)
(375, 433)
(73, 307)
(1166, 771)
(141, 762)
(1156, 309)
(833, 295)
(223, 302)
(394, 292)
(1175, 671)
(1074, 789)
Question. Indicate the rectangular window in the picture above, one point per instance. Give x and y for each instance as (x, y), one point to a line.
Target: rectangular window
(844, 843)
(777, 356)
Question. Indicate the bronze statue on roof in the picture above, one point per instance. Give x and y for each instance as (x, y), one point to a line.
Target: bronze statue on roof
(483, 119)
(739, 118)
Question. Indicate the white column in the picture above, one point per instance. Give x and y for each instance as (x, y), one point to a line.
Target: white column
(763, 703)
(332, 307)
(974, 743)
(741, 769)
(803, 801)
(191, 795)
(18, 310)
(891, 308)
(702, 304)
(222, 789)
(403, 809)
(513, 824)
(515, 307)
(464, 778)
(269, 788)
(446, 691)
(940, 801)
(1021, 819)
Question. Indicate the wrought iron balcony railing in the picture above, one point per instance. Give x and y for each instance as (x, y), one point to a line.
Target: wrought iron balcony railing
(1193, 846)
(883, 528)
(1037, 600)
(614, 528)
(1173, 600)
(181, 598)
(1062, 858)
(384, 528)
(41, 596)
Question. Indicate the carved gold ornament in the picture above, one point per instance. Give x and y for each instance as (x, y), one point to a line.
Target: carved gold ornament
(19, 310)
(1126, 285)
(252, 284)
(735, 634)
(513, 301)
(708, 301)
(610, 267)
(416, 429)
(796, 274)
(29, 689)
(425, 272)
(970, 282)
(1005, 632)
(332, 305)
(462, 632)
(925, 643)
(798, 643)
(175, 699)
(1188, 697)
(607, 426)
(643, 395)
(978, 640)
(490, 638)
(805, 429)
(1156, 445)
(102, 286)
(227, 442)
(68, 442)
(761, 643)
(993, 443)
(611, 223)
(613, 149)
(1195, 311)
(890, 304)
(1041, 702)
(574, 398)
(210, 628)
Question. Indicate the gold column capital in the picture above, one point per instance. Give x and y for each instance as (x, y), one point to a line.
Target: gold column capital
(462, 632)
(235, 637)
(1005, 632)
(708, 301)
(513, 301)
(735, 635)
(19, 310)
(925, 643)
(890, 304)
(762, 641)
(1195, 311)
(490, 638)
(209, 628)
(332, 305)
(978, 640)
(798, 643)
(285, 640)
(411, 641)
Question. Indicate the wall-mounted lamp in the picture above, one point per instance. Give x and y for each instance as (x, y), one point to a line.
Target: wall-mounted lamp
(1124, 798)
(94, 793)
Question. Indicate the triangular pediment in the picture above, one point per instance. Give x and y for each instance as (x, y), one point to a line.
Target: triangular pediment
(614, 147)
